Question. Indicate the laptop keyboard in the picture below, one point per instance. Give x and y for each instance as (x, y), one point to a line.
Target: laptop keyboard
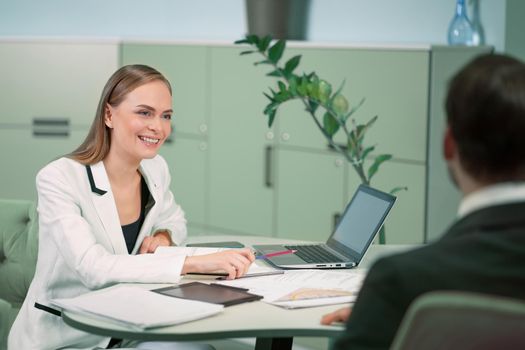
(313, 253)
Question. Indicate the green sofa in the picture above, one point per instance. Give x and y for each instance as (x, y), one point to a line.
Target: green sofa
(18, 252)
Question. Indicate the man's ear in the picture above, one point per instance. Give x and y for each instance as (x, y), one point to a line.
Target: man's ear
(108, 116)
(449, 145)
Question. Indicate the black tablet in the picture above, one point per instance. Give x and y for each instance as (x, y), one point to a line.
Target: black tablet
(211, 293)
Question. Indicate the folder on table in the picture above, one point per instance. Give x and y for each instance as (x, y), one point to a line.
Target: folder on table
(137, 307)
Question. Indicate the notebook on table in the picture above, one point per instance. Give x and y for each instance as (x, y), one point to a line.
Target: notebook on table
(362, 219)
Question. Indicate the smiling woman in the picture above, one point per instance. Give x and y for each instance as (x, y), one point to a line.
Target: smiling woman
(104, 207)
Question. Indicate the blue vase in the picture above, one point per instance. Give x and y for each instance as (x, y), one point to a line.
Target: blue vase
(460, 31)
(478, 35)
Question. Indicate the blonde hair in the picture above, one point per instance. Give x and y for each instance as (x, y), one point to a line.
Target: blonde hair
(126, 79)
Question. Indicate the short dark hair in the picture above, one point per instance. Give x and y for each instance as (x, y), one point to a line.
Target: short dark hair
(485, 108)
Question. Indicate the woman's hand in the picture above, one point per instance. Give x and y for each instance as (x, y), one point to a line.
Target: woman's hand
(150, 243)
(340, 315)
(234, 262)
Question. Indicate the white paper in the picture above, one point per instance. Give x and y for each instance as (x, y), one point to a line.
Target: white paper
(277, 286)
(138, 307)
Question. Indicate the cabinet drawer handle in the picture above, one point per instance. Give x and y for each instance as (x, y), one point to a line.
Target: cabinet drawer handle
(268, 166)
(51, 127)
(337, 217)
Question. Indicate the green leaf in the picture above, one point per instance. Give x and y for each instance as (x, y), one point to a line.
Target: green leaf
(301, 87)
(293, 85)
(330, 125)
(353, 110)
(367, 151)
(269, 97)
(264, 43)
(241, 41)
(246, 52)
(311, 90)
(271, 117)
(338, 92)
(282, 86)
(370, 123)
(271, 106)
(398, 189)
(275, 73)
(313, 105)
(291, 64)
(282, 96)
(262, 62)
(252, 39)
(276, 51)
(377, 162)
(353, 145)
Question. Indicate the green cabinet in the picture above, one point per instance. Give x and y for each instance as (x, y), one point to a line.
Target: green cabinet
(442, 196)
(49, 94)
(186, 67)
(53, 80)
(405, 223)
(394, 84)
(188, 162)
(24, 154)
(310, 193)
(230, 172)
(241, 192)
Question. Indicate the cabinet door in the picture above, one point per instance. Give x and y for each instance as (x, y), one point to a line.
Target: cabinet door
(240, 201)
(405, 223)
(394, 84)
(186, 67)
(23, 155)
(443, 196)
(187, 161)
(310, 193)
(53, 80)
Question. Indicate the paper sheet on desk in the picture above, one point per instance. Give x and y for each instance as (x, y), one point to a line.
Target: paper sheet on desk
(278, 287)
(256, 268)
(113, 304)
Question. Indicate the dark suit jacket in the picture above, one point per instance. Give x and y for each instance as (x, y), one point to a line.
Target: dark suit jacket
(482, 252)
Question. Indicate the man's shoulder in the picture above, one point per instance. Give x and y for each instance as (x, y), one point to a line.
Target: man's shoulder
(422, 261)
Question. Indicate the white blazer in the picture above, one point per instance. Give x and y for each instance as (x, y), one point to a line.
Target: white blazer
(82, 248)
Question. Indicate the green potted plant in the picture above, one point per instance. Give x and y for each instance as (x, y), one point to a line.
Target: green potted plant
(328, 108)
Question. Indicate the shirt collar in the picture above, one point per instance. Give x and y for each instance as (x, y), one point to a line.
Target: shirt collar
(502, 193)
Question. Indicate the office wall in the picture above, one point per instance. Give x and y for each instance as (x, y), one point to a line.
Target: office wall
(384, 21)
(515, 26)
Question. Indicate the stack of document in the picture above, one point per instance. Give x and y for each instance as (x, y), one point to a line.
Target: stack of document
(304, 288)
(122, 304)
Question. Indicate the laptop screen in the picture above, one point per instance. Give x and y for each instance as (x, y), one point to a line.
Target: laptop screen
(362, 219)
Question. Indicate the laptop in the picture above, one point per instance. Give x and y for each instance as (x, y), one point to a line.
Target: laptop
(355, 231)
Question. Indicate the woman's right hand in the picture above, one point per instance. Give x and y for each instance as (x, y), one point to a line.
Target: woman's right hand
(234, 262)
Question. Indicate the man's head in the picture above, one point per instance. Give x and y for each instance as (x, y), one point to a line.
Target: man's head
(485, 109)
